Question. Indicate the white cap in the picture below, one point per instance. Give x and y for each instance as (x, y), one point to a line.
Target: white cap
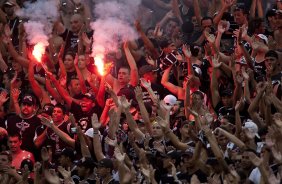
(90, 132)
(252, 127)
(170, 100)
(263, 37)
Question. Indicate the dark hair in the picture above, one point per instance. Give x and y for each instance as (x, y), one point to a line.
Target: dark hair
(61, 107)
(125, 67)
(8, 154)
(271, 53)
(71, 53)
(206, 18)
(72, 78)
(254, 24)
(15, 134)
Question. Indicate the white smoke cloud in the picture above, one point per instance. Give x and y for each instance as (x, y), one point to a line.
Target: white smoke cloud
(41, 16)
(113, 25)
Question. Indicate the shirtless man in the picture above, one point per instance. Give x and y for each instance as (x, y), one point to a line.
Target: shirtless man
(18, 155)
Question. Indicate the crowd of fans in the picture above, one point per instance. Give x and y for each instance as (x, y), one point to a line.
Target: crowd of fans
(195, 99)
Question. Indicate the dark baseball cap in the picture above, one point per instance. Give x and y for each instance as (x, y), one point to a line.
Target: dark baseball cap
(86, 95)
(48, 109)
(86, 162)
(29, 99)
(146, 69)
(106, 162)
(226, 92)
(68, 152)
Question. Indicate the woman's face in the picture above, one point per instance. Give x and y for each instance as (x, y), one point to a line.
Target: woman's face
(157, 131)
(81, 62)
(68, 62)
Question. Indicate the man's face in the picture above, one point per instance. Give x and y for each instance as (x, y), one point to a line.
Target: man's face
(206, 24)
(102, 171)
(9, 10)
(81, 62)
(68, 62)
(6, 81)
(270, 62)
(74, 86)
(226, 101)
(170, 26)
(63, 160)
(197, 101)
(58, 115)
(123, 76)
(76, 23)
(86, 104)
(14, 144)
(150, 76)
(239, 17)
(245, 162)
(4, 161)
(157, 131)
(27, 109)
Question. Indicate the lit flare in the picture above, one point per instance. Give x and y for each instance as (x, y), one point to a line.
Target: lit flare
(38, 51)
(99, 62)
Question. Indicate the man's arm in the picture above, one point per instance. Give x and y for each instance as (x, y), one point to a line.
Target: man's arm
(134, 77)
(64, 94)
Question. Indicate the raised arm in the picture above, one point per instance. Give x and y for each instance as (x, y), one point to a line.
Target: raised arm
(64, 94)
(129, 118)
(80, 76)
(255, 104)
(143, 110)
(96, 138)
(134, 77)
(176, 90)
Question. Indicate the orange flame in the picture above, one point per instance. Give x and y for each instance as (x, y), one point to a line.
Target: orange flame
(99, 62)
(38, 51)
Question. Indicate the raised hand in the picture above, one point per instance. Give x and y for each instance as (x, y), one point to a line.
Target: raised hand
(254, 159)
(161, 122)
(111, 142)
(186, 51)
(215, 60)
(3, 97)
(158, 32)
(223, 26)
(124, 103)
(138, 93)
(95, 122)
(15, 94)
(137, 25)
(45, 121)
(44, 154)
(145, 84)
(86, 41)
(118, 155)
(51, 176)
(149, 60)
(65, 173)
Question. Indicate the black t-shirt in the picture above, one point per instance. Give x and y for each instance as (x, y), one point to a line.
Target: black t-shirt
(53, 139)
(158, 90)
(260, 71)
(71, 40)
(187, 177)
(84, 118)
(26, 128)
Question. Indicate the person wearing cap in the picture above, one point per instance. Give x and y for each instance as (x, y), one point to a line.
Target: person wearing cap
(170, 160)
(45, 136)
(85, 168)
(26, 122)
(150, 74)
(104, 171)
(14, 143)
(66, 158)
(81, 105)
